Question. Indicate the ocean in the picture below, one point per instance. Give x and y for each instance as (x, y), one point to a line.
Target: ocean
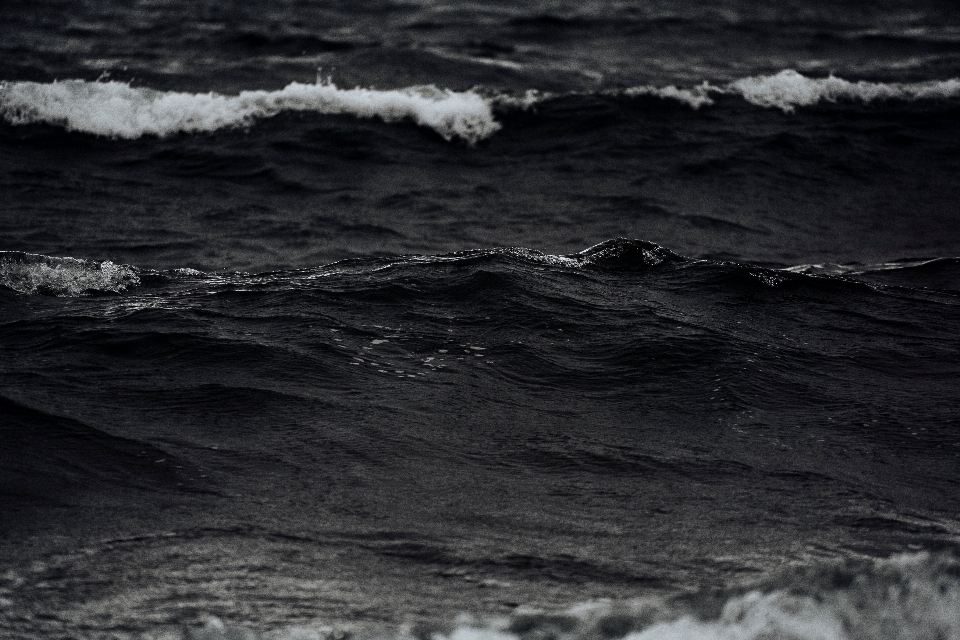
(449, 320)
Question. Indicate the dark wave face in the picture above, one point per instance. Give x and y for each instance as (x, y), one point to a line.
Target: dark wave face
(479, 321)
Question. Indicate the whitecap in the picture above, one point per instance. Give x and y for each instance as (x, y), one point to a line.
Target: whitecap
(118, 110)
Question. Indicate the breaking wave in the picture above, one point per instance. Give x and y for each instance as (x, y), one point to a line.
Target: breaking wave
(118, 110)
(65, 277)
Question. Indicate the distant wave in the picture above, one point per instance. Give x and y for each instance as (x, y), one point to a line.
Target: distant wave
(116, 109)
(789, 89)
(785, 90)
(65, 277)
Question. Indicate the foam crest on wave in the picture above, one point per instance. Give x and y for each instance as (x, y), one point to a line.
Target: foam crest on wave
(789, 89)
(66, 277)
(116, 109)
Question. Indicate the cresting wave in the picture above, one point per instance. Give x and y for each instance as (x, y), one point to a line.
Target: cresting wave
(116, 109)
(907, 597)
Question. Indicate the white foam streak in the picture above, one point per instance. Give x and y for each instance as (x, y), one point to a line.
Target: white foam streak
(116, 109)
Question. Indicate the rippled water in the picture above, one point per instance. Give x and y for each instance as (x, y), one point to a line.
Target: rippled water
(604, 320)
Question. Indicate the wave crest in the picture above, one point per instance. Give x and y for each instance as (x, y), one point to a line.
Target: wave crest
(116, 109)
(789, 89)
(65, 277)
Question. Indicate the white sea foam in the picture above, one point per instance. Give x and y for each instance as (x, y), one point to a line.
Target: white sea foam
(789, 89)
(66, 277)
(116, 109)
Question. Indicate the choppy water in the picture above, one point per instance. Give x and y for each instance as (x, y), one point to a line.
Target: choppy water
(479, 321)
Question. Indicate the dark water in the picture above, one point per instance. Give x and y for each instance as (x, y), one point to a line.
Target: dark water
(584, 320)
